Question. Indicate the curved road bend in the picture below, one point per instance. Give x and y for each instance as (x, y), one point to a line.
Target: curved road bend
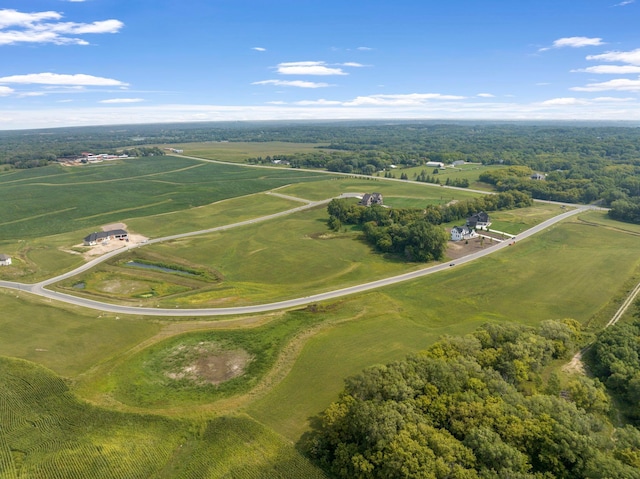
(39, 289)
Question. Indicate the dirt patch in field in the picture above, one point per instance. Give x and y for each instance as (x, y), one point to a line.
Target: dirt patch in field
(206, 363)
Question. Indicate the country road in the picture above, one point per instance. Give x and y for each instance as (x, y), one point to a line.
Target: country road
(40, 288)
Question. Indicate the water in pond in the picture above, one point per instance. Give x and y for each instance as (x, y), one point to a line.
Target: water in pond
(135, 264)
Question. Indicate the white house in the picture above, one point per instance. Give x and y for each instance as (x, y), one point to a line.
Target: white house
(462, 232)
(5, 260)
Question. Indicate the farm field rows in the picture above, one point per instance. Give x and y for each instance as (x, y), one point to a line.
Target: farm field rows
(283, 368)
(239, 151)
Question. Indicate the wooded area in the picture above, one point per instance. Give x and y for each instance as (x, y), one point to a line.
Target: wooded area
(477, 407)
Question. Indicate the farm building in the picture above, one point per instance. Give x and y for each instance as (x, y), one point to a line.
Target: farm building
(102, 236)
(371, 199)
(479, 220)
(5, 260)
(436, 164)
(462, 232)
(538, 176)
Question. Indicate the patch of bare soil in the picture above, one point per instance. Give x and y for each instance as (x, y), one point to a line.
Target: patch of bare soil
(114, 226)
(206, 363)
(575, 366)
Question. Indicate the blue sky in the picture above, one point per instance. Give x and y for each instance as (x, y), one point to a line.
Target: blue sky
(92, 62)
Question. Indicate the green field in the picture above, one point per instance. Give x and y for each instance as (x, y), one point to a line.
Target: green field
(47, 433)
(55, 199)
(144, 414)
(239, 151)
(470, 172)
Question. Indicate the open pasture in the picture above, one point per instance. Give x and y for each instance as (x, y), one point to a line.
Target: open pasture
(239, 151)
(292, 256)
(469, 171)
(47, 433)
(55, 199)
(572, 271)
(396, 193)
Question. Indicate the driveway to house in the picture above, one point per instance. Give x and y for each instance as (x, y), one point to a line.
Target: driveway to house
(39, 288)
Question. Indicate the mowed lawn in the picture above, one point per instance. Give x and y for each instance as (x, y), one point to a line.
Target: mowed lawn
(574, 270)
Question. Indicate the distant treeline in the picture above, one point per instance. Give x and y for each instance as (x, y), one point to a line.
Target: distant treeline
(477, 407)
(413, 233)
(581, 163)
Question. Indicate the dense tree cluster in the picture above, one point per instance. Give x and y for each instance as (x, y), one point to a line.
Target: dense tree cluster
(459, 411)
(401, 231)
(411, 232)
(615, 359)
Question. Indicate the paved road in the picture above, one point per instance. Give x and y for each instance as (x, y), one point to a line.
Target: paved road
(39, 288)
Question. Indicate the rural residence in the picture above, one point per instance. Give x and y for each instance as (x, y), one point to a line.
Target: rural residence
(104, 236)
(479, 220)
(371, 199)
(538, 176)
(462, 233)
(5, 260)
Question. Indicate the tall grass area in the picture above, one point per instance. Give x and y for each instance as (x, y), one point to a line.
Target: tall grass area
(46, 433)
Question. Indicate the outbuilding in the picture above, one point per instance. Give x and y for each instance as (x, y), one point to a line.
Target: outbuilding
(5, 260)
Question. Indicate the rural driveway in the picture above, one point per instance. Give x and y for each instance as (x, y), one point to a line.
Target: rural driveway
(39, 288)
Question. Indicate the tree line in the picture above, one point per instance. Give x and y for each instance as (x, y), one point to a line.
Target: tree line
(476, 407)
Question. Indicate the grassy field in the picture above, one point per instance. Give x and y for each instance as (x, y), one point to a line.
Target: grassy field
(239, 151)
(470, 172)
(396, 193)
(47, 433)
(572, 271)
(292, 363)
(290, 257)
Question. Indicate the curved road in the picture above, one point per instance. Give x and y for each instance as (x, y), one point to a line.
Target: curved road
(39, 288)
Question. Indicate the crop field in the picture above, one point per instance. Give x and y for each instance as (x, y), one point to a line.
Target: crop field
(47, 433)
(55, 199)
(239, 151)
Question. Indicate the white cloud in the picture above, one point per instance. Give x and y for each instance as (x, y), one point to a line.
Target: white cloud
(613, 99)
(401, 99)
(320, 102)
(632, 57)
(625, 3)
(5, 90)
(67, 115)
(619, 84)
(574, 42)
(364, 49)
(563, 101)
(353, 64)
(259, 49)
(295, 83)
(122, 100)
(485, 95)
(58, 79)
(18, 27)
(308, 68)
(610, 69)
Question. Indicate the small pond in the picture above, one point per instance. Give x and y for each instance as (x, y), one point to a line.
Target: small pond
(135, 264)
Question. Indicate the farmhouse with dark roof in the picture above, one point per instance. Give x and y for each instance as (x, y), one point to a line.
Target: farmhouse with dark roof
(371, 199)
(102, 236)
